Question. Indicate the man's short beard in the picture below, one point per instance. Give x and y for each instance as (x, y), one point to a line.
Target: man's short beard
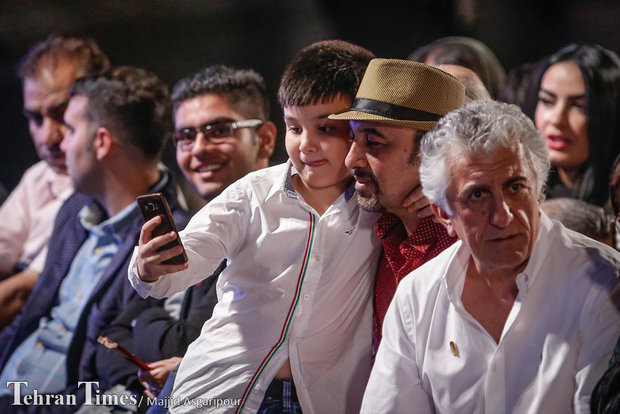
(369, 203)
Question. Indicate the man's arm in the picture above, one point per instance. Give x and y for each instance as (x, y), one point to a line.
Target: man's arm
(14, 228)
(14, 292)
(394, 385)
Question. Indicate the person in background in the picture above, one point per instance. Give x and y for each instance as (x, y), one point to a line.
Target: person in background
(464, 51)
(574, 100)
(116, 124)
(577, 215)
(474, 88)
(515, 87)
(27, 216)
(516, 316)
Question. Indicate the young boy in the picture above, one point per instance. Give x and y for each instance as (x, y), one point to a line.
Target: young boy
(295, 302)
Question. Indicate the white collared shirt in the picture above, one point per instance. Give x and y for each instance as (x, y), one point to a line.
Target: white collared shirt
(435, 357)
(298, 286)
(27, 217)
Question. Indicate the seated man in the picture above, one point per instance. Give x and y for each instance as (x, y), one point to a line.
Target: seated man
(514, 317)
(116, 127)
(155, 330)
(27, 216)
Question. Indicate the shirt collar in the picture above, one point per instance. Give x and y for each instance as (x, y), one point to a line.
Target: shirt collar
(287, 185)
(94, 218)
(289, 190)
(58, 183)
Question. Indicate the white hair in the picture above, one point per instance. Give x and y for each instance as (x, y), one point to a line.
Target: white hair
(479, 126)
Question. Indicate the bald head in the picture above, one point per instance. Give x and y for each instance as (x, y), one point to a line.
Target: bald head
(474, 88)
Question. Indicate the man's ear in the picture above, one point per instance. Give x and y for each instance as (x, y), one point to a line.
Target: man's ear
(266, 135)
(103, 143)
(443, 218)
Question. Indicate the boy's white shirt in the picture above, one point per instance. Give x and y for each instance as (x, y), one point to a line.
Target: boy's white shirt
(298, 286)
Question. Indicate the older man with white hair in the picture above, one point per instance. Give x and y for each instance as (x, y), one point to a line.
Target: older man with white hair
(514, 317)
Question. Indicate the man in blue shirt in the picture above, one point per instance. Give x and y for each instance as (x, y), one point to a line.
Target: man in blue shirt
(116, 127)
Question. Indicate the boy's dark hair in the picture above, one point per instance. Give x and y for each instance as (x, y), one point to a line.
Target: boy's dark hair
(323, 70)
(56, 48)
(132, 103)
(243, 89)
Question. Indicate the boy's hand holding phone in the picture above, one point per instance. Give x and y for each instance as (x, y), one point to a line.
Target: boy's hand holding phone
(160, 250)
(150, 257)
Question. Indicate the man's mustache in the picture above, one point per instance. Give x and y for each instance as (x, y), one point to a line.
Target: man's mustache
(359, 173)
(53, 148)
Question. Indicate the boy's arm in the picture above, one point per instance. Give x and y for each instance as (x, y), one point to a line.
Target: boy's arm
(213, 234)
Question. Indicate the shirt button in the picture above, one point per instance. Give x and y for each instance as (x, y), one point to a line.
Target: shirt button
(317, 258)
(306, 297)
(493, 367)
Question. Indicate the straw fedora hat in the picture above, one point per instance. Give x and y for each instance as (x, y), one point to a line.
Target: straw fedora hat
(404, 93)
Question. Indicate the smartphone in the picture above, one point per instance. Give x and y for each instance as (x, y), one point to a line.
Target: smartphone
(156, 204)
(110, 344)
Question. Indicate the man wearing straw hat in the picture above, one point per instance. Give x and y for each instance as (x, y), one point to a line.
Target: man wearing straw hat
(397, 103)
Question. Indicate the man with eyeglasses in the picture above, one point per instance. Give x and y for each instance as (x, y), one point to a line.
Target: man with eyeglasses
(27, 216)
(230, 110)
(222, 132)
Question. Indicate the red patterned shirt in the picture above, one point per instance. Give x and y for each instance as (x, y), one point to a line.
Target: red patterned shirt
(401, 255)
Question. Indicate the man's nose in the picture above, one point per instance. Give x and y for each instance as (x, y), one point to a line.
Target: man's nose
(52, 132)
(201, 144)
(501, 215)
(356, 157)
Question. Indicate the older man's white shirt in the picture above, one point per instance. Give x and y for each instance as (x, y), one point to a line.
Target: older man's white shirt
(554, 347)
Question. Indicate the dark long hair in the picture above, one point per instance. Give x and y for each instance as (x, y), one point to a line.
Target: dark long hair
(600, 69)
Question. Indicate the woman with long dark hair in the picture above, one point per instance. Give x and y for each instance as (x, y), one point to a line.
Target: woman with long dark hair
(574, 100)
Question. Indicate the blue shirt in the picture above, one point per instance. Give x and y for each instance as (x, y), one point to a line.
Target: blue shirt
(41, 358)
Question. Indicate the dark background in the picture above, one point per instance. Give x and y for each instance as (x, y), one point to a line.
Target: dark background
(176, 38)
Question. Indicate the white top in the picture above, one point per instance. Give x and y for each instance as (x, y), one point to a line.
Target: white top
(27, 217)
(556, 343)
(297, 286)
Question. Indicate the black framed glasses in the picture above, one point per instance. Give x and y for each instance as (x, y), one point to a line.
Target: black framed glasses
(218, 132)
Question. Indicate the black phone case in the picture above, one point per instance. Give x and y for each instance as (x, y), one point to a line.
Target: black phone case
(156, 204)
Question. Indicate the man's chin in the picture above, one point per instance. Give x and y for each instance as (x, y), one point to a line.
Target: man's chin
(209, 191)
(58, 164)
(369, 203)
(60, 169)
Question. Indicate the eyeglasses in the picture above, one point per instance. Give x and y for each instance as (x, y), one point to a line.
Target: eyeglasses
(218, 132)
